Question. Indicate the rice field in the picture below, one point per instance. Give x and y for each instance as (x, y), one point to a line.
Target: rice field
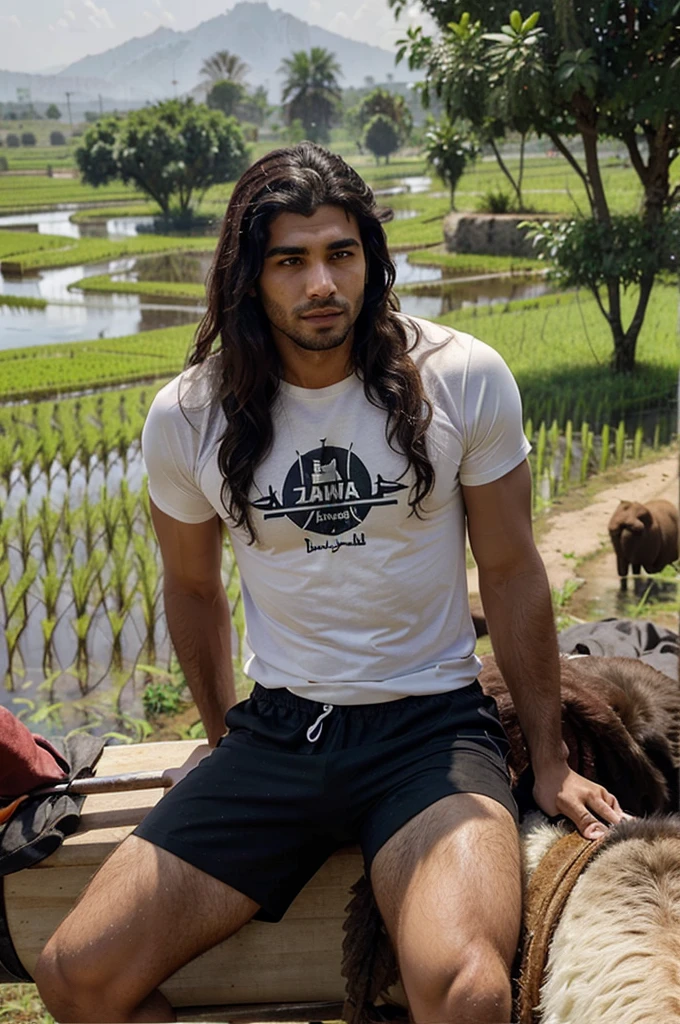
(80, 587)
(73, 251)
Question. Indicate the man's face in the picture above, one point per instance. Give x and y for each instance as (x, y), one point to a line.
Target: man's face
(312, 281)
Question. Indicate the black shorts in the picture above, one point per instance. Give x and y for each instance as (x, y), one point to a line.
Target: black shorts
(294, 780)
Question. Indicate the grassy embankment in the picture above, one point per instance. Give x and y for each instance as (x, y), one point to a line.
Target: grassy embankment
(557, 346)
(73, 251)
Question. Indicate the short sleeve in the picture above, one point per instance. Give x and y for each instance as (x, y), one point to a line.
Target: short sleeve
(169, 448)
(494, 441)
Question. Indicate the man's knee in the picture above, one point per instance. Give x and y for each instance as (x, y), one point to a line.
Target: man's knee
(74, 990)
(475, 989)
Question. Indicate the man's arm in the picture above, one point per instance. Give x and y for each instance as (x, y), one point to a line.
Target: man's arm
(516, 596)
(197, 611)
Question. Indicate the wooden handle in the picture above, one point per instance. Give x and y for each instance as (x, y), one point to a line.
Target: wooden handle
(108, 784)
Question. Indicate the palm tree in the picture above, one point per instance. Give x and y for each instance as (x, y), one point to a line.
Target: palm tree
(311, 92)
(224, 66)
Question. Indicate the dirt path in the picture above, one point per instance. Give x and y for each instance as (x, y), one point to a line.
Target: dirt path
(571, 535)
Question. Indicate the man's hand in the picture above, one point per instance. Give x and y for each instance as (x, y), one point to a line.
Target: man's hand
(175, 775)
(559, 790)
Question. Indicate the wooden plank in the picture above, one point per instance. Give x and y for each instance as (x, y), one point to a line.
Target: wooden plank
(269, 1012)
(294, 961)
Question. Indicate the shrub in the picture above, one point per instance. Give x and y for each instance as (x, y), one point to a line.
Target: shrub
(13, 140)
(27, 139)
(495, 202)
(4, 166)
(57, 139)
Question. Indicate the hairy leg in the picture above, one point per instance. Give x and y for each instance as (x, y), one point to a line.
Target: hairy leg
(144, 915)
(449, 890)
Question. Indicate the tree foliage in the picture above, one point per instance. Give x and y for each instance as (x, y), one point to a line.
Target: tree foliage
(311, 91)
(448, 151)
(225, 95)
(224, 65)
(587, 69)
(173, 152)
(381, 136)
(392, 105)
(53, 112)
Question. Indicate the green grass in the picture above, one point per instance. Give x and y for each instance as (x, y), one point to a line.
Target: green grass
(559, 348)
(93, 250)
(18, 194)
(41, 371)
(471, 263)
(153, 289)
(102, 213)
(18, 243)
(22, 301)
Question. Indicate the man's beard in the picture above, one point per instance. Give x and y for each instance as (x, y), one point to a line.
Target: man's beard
(317, 340)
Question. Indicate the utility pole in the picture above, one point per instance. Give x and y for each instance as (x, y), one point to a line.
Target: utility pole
(68, 103)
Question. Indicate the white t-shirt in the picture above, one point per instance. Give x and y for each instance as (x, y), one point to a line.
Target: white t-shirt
(348, 598)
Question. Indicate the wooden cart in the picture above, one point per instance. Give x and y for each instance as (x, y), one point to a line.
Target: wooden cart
(267, 972)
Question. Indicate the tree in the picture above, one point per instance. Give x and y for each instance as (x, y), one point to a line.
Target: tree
(586, 69)
(225, 95)
(28, 139)
(381, 136)
(392, 105)
(57, 139)
(13, 140)
(224, 65)
(173, 152)
(311, 92)
(53, 112)
(448, 151)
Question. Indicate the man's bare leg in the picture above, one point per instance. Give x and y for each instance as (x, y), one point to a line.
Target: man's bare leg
(449, 888)
(145, 914)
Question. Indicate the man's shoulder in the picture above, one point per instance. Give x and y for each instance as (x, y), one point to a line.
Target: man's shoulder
(191, 397)
(438, 348)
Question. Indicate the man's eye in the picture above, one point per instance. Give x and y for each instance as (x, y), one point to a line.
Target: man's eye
(290, 261)
(342, 252)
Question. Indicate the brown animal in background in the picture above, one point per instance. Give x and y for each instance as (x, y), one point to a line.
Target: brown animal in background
(644, 536)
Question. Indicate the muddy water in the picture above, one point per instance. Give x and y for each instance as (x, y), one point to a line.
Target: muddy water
(600, 596)
(486, 291)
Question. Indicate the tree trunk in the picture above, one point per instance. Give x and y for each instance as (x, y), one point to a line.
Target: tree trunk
(508, 175)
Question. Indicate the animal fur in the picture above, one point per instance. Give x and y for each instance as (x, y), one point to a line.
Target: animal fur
(621, 722)
(644, 536)
(614, 955)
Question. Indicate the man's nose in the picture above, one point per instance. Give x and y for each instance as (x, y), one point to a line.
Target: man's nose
(320, 281)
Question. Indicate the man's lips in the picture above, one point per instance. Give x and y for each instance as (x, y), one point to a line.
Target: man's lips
(323, 314)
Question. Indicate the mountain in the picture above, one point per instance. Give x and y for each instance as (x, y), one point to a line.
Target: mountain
(167, 62)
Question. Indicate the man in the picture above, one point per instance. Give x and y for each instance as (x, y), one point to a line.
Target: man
(342, 444)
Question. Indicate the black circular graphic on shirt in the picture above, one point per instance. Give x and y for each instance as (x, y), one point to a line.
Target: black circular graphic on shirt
(328, 491)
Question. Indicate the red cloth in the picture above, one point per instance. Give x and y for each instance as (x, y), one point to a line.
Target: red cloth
(26, 760)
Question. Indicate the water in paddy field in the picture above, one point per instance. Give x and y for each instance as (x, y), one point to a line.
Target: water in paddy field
(57, 222)
(600, 596)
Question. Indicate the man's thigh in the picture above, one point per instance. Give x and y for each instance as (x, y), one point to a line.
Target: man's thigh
(144, 915)
(449, 882)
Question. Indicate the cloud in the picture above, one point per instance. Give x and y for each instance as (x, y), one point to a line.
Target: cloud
(70, 14)
(62, 22)
(98, 16)
(10, 19)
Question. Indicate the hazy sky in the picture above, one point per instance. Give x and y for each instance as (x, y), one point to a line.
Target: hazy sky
(39, 34)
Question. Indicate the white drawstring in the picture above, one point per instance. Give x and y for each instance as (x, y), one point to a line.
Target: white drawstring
(314, 731)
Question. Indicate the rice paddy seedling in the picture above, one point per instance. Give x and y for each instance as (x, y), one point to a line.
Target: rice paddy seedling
(604, 448)
(637, 443)
(566, 464)
(586, 451)
(620, 443)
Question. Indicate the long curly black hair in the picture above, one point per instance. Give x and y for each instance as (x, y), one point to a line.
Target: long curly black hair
(299, 180)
